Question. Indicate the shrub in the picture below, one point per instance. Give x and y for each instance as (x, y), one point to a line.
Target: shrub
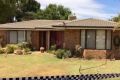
(78, 51)
(26, 51)
(51, 51)
(59, 53)
(10, 48)
(20, 48)
(2, 50)
(67, 54)
(23, 45)
(62, 53)
(53, 47)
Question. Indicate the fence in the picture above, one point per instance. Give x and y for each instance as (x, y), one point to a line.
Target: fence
(69, 77)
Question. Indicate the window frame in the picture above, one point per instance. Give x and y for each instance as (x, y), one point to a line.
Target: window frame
(86, 33)
(25, 35)
(16, 37)
(95, 39)
(110, 41)
(105, 40)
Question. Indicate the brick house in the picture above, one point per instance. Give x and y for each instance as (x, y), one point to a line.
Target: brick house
(94, 35)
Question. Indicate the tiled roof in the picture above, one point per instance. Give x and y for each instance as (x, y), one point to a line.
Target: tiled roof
(56, 24)
(32, 24)
(90, 22)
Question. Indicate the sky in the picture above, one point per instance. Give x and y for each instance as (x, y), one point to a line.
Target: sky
(103, 9)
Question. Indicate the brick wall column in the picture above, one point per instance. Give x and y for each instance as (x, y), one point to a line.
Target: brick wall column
(71, 38)
(115, 49)
(3, 34)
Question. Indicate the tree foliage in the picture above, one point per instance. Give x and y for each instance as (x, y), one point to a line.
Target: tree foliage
(19, 8)
(30, 9)
(53, 11)
(7, 10)
(26, 9)
(31, 6)
(116, 18)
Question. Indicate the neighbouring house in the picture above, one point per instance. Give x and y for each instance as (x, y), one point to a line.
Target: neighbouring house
(94, 35)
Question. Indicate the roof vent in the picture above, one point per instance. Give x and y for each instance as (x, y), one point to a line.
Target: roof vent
(72, 17)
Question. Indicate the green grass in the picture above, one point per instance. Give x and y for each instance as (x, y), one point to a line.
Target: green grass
(48, 64)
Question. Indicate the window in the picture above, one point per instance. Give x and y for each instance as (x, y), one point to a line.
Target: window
(109, 40)
(96, 39)
(21, 36)
(90, 43)
(28, 37)
(83, 38)
(13, 37)
(100, 39)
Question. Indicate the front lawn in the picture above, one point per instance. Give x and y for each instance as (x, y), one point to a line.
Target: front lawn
(48, 64)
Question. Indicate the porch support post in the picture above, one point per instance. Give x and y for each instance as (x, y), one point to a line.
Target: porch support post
(48, 40)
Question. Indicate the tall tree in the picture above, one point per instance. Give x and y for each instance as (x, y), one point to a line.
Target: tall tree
(30, 9)
(22, 9)
(63, 12)
(27, 9)
(7, 10)
(53, 11)
(31, 6)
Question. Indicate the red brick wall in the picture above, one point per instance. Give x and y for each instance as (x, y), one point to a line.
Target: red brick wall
(116, 50)
(71, 38)
(96, 54)
(4, 35)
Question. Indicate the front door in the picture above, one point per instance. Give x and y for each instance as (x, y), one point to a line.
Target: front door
(42, 39)
(56, 37)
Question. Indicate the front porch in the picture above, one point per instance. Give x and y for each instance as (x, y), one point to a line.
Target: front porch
(46, 39)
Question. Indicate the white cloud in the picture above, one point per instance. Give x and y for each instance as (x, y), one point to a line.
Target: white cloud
(82, 8)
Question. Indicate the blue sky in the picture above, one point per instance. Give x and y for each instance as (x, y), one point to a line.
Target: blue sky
(111, 6)
(104, 9)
